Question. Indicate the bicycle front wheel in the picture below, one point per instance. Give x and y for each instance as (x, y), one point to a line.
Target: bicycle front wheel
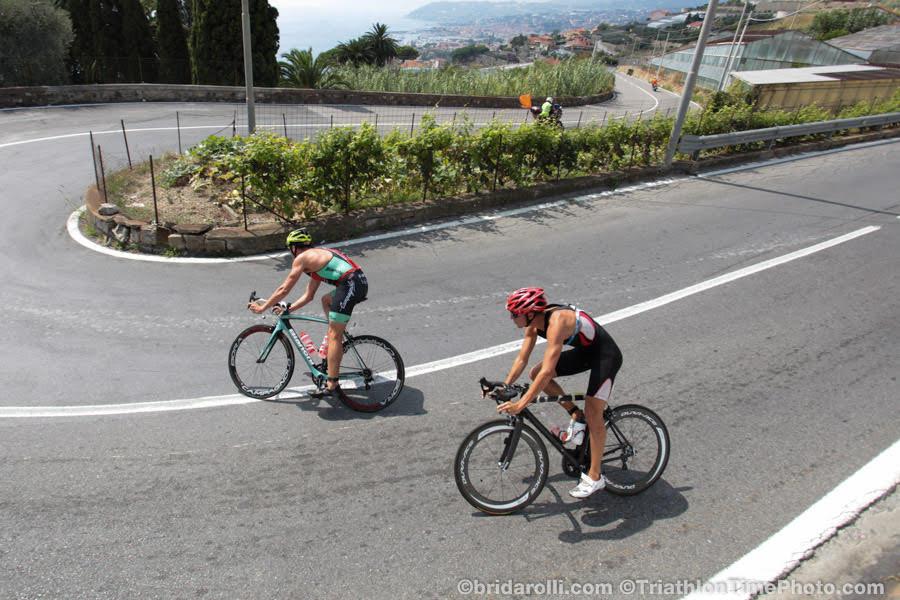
(637, 450)
(483, 481)
(254, 376)
(371, 373)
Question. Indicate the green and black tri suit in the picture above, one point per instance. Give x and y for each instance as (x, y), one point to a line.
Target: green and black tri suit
(351, 286)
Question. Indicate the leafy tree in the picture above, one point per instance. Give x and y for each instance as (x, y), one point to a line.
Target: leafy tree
(468, 53)
(217, 47)
(174, 60)
(34, 40)
(300, 69)
(407, 53)
(383, 46)
(835, 23)
(518, 41)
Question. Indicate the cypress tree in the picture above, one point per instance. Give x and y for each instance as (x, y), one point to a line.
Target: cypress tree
(174, 61)
(139, 62)
(113, 42)
(217, 44)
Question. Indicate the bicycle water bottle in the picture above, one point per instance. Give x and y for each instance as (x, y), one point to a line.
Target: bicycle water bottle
(308, 343)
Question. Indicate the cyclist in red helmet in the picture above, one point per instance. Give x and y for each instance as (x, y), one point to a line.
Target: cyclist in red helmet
(592, 349)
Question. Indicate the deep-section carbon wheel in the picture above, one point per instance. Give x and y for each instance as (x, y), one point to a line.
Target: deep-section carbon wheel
(371, 374)
(637, 449)
(485, 484)
(255, 378)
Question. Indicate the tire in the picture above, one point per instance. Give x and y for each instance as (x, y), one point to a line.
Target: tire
(260, 380)
(637, 450)
(371, 374)
(481, 481)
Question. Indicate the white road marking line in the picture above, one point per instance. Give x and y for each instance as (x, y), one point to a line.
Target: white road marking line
(634, 85)
(782, 552)
(75, 232)
(438, 365)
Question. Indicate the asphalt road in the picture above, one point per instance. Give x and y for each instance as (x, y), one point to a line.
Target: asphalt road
(775, 388)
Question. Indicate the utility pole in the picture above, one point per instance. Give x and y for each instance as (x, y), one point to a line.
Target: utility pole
(740, 43)
(691, 80)
(248, 67)
(731, 49)
(665, 46)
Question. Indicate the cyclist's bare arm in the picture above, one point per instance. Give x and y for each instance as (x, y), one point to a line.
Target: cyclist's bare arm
(283, 290)
(307, 296)
(521, 360)
(557, 332)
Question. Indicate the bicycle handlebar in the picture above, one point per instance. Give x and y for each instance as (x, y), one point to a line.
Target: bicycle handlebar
(499, 391)
(284, 306)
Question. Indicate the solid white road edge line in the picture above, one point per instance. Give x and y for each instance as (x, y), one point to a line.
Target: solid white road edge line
(438, 365)
(782, 552)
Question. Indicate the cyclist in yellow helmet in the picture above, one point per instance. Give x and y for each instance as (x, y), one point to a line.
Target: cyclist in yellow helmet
(332, 267)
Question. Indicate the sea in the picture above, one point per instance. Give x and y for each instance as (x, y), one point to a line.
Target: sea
(321, 28)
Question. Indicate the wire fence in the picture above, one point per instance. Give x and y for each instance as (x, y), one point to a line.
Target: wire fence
(122, 153)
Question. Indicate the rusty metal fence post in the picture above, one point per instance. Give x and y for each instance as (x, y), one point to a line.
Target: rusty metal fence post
(153, 185)
(102, 173)
(127, 151)
(94, 159)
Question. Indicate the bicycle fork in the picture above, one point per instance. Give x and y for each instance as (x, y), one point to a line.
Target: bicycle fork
(510, 443)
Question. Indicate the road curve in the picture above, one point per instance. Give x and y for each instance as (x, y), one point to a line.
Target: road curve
(765, 382)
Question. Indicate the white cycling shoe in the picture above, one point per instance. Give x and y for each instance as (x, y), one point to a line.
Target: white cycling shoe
(587, 486)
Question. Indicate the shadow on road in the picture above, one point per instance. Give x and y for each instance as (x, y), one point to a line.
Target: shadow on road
(410, 403)
(605, 516)
(802, 197)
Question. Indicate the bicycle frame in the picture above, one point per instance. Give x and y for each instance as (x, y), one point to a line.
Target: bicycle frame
(574, 460)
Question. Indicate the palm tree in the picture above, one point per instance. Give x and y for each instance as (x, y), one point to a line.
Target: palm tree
(383, 46)
(357, 52)
(303, 71)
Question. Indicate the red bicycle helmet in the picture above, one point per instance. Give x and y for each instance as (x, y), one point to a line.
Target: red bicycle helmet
(526, 300)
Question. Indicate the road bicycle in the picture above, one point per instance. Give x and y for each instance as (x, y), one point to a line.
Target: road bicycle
(502, 466)
(261, 364)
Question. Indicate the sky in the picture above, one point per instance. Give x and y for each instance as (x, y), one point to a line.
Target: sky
(322, 24)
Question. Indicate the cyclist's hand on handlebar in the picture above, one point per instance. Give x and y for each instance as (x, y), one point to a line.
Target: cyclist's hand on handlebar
(511, 408)
(281, 308)
(256, 306)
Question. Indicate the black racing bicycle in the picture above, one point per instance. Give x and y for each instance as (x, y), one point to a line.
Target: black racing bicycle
(502, 466)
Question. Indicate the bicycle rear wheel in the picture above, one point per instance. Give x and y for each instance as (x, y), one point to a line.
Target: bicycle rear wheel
(487, 486)
(637, 450)
(260, 379)
(371, 373)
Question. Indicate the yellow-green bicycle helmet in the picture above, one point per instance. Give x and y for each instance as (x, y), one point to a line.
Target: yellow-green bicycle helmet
(300, 237)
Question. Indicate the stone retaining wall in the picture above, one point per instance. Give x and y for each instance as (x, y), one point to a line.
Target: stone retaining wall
(205, 240)
(16, 97)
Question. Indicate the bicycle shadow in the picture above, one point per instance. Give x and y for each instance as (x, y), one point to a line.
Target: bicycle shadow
(410, 403)
(606, 516)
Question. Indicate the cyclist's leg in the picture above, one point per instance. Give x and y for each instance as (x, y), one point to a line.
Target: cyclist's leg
(345, 297)
(570, 362)
(600, 384)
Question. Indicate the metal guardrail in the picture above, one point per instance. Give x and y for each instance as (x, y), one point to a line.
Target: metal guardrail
(693, 144)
